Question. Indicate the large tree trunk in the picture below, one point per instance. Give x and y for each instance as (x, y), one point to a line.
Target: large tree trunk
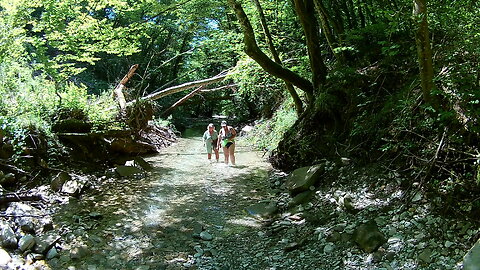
(296, 99)
(306, 13)
(424, 50)
(252, 50)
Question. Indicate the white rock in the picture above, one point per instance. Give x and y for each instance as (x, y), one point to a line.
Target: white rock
(4, 257)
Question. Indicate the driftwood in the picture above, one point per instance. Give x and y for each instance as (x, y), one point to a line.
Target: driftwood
(13, 197)
(200, 89)
(175, 89)
(180, 101)
(119, 89)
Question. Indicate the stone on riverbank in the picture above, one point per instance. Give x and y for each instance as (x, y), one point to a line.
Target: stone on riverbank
(303, 178)
(4, 258)
(7, 235)
(26, 243)
(59, 180)
(368, 237)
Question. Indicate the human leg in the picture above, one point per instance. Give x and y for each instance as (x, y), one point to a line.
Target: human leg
(231, 152)
(209, 150)
(226, 154)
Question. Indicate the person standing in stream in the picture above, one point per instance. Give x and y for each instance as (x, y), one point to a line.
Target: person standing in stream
(226, 138)
(210, 140)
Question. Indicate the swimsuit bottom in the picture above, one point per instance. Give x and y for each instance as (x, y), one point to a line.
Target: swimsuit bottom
(227, 143)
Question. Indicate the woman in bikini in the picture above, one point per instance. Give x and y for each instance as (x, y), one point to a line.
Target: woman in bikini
(210, 140)
(226, 138)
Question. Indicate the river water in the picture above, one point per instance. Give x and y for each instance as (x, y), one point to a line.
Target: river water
(154, 222)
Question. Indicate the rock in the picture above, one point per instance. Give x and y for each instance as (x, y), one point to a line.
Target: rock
(8, 180)
(142, 163)
(301, 198)
(4, 258)
(75, 186)
(52, 253)
(262, 209)
(328, 248)
(301, 179)
(425, 256)
(46, 242)
(27, 220)
(471, 260)
(206, 236)
(368, 237)
(348, 205)
(127, 171)
(8, 238)
(57, 182)
(79, 252)
(27, 242)
(448, 244)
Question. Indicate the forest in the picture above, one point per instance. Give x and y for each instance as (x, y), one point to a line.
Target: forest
(357, 121)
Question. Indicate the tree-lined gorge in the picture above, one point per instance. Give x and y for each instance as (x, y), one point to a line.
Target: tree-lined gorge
(341, 98)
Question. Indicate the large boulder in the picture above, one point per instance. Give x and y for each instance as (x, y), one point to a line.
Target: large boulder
(368, 237)
(303, 178)
(471, 261)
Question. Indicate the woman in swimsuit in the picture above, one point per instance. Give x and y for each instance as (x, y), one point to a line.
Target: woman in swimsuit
(227, 140)
(210, 140)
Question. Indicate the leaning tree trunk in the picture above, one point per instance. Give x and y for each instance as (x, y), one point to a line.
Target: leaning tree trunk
(252, 50)
(296, 99)
(424, 49)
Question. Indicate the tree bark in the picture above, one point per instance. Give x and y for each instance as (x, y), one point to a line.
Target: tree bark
(252, 50)
(185, 86)
(119, 88)
(424, 49)
(296, 99)
(306, 13)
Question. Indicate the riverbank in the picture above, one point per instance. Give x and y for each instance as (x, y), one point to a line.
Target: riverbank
(187, 213)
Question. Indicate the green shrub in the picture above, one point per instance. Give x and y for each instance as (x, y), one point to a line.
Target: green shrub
(269, 132)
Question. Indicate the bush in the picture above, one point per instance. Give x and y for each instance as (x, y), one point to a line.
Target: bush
(269, 132)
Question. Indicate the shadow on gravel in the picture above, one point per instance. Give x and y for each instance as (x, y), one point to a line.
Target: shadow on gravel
(158, 222)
